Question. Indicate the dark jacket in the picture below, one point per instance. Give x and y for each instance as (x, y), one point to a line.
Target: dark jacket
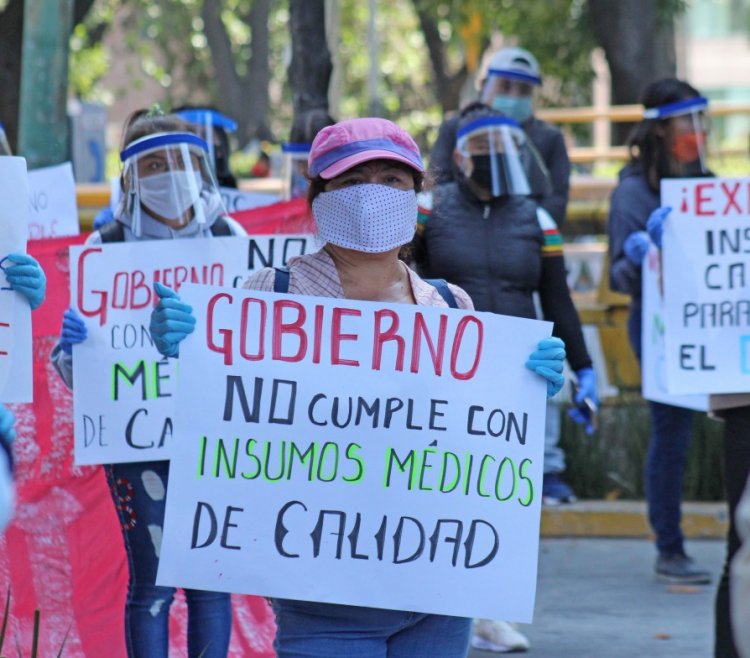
(548, 141)
(494, 251)
(633, 200)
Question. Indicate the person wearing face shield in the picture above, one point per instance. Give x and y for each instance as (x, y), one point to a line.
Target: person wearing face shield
(508, 87)
(668, 143)
(168, 193)
(364, 176)
(214, 128)
(486, 234)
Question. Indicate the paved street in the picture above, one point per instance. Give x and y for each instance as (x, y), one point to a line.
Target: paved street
(597, 598)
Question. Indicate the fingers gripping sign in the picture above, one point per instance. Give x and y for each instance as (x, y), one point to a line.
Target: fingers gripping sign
(171, 321)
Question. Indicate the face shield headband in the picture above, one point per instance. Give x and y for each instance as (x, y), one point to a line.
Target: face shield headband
(494, 145)
(166, 174)
(687, 106)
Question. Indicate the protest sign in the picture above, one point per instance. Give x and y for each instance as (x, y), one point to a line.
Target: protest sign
(15, 312)
(53, 210)
(653, 330)
(356, 452)
(707, 284)
(235, 200)
(123, 395)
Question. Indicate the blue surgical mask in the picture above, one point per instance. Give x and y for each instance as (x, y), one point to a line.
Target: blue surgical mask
(516, 108)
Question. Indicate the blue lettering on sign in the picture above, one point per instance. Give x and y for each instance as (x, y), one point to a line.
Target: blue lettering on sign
(744, 356)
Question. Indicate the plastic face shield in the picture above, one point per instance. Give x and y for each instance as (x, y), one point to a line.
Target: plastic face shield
(294, 171)
(502, 160)
(205, 121)
(167, 175)
(688, 126)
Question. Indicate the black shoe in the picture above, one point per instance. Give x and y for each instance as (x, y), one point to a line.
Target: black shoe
(680, 569)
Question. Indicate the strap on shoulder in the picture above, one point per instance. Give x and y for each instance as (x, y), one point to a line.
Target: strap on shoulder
(281, 280)
(112, 232)
(220, 228)
(445, 292)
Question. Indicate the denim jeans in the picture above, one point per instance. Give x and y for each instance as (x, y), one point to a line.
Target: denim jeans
(554, 455)
(671, 428)
(323, 630)
(139, 494)
(736, 472)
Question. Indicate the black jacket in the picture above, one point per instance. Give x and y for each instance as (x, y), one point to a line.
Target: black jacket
(494, 252)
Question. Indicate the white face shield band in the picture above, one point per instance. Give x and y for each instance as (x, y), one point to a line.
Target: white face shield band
(168, 176)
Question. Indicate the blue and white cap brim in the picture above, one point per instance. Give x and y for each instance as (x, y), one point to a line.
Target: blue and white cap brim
(515, 74)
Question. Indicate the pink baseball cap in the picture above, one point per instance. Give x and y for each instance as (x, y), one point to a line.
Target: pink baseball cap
(346, 144)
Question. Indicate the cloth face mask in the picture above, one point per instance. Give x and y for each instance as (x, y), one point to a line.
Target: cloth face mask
(171, 194)
(519, 109)
(368, 217)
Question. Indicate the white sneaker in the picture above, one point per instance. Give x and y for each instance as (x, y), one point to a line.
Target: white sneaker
(497, 636)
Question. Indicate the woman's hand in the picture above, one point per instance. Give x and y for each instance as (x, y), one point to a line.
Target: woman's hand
(73, 331)
(655, 224)
(547, 362)
(26, 276)
(171, 321)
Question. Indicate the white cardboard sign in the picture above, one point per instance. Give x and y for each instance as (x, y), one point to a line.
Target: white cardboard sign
(123, 397)
(15, 313)
(707, 284)
(53, 210)
(653, 332)
(358, 453)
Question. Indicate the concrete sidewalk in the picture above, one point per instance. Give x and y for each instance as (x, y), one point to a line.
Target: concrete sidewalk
(598, 598)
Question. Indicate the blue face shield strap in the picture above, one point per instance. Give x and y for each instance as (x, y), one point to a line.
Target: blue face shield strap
(485, 122)
(161, 139)
(678, 108)
(516, 75)
(208, 117)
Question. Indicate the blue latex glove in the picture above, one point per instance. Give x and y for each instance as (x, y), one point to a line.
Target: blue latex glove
(636, 247)
(7, 433)
(655, 224)
(104, 216)
(26, 276)
(581, 413)
(171, 321)
(547, 362)
(73, 331)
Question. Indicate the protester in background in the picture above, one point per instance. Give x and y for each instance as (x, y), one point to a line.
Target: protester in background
(294, 165)
(7, 491)
(512, 77)
(668, 143)
(739, 589)
(214, 127)
(486, 234)
(168, 192)
(262, 166)
(358, 168)
(509, 86)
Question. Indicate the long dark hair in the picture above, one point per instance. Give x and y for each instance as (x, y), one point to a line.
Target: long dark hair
(646, 144)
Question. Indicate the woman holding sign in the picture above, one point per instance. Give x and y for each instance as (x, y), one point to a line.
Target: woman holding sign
(365, 174)
(169, 192)
(668, 143)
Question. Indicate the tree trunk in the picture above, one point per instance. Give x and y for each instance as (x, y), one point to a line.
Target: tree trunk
(447, 86)
(638, 49)
(11, 38)
(244, 98)
(311, 67)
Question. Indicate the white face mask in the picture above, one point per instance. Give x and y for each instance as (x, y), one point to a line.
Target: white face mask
(368, 217)
(171, 194)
